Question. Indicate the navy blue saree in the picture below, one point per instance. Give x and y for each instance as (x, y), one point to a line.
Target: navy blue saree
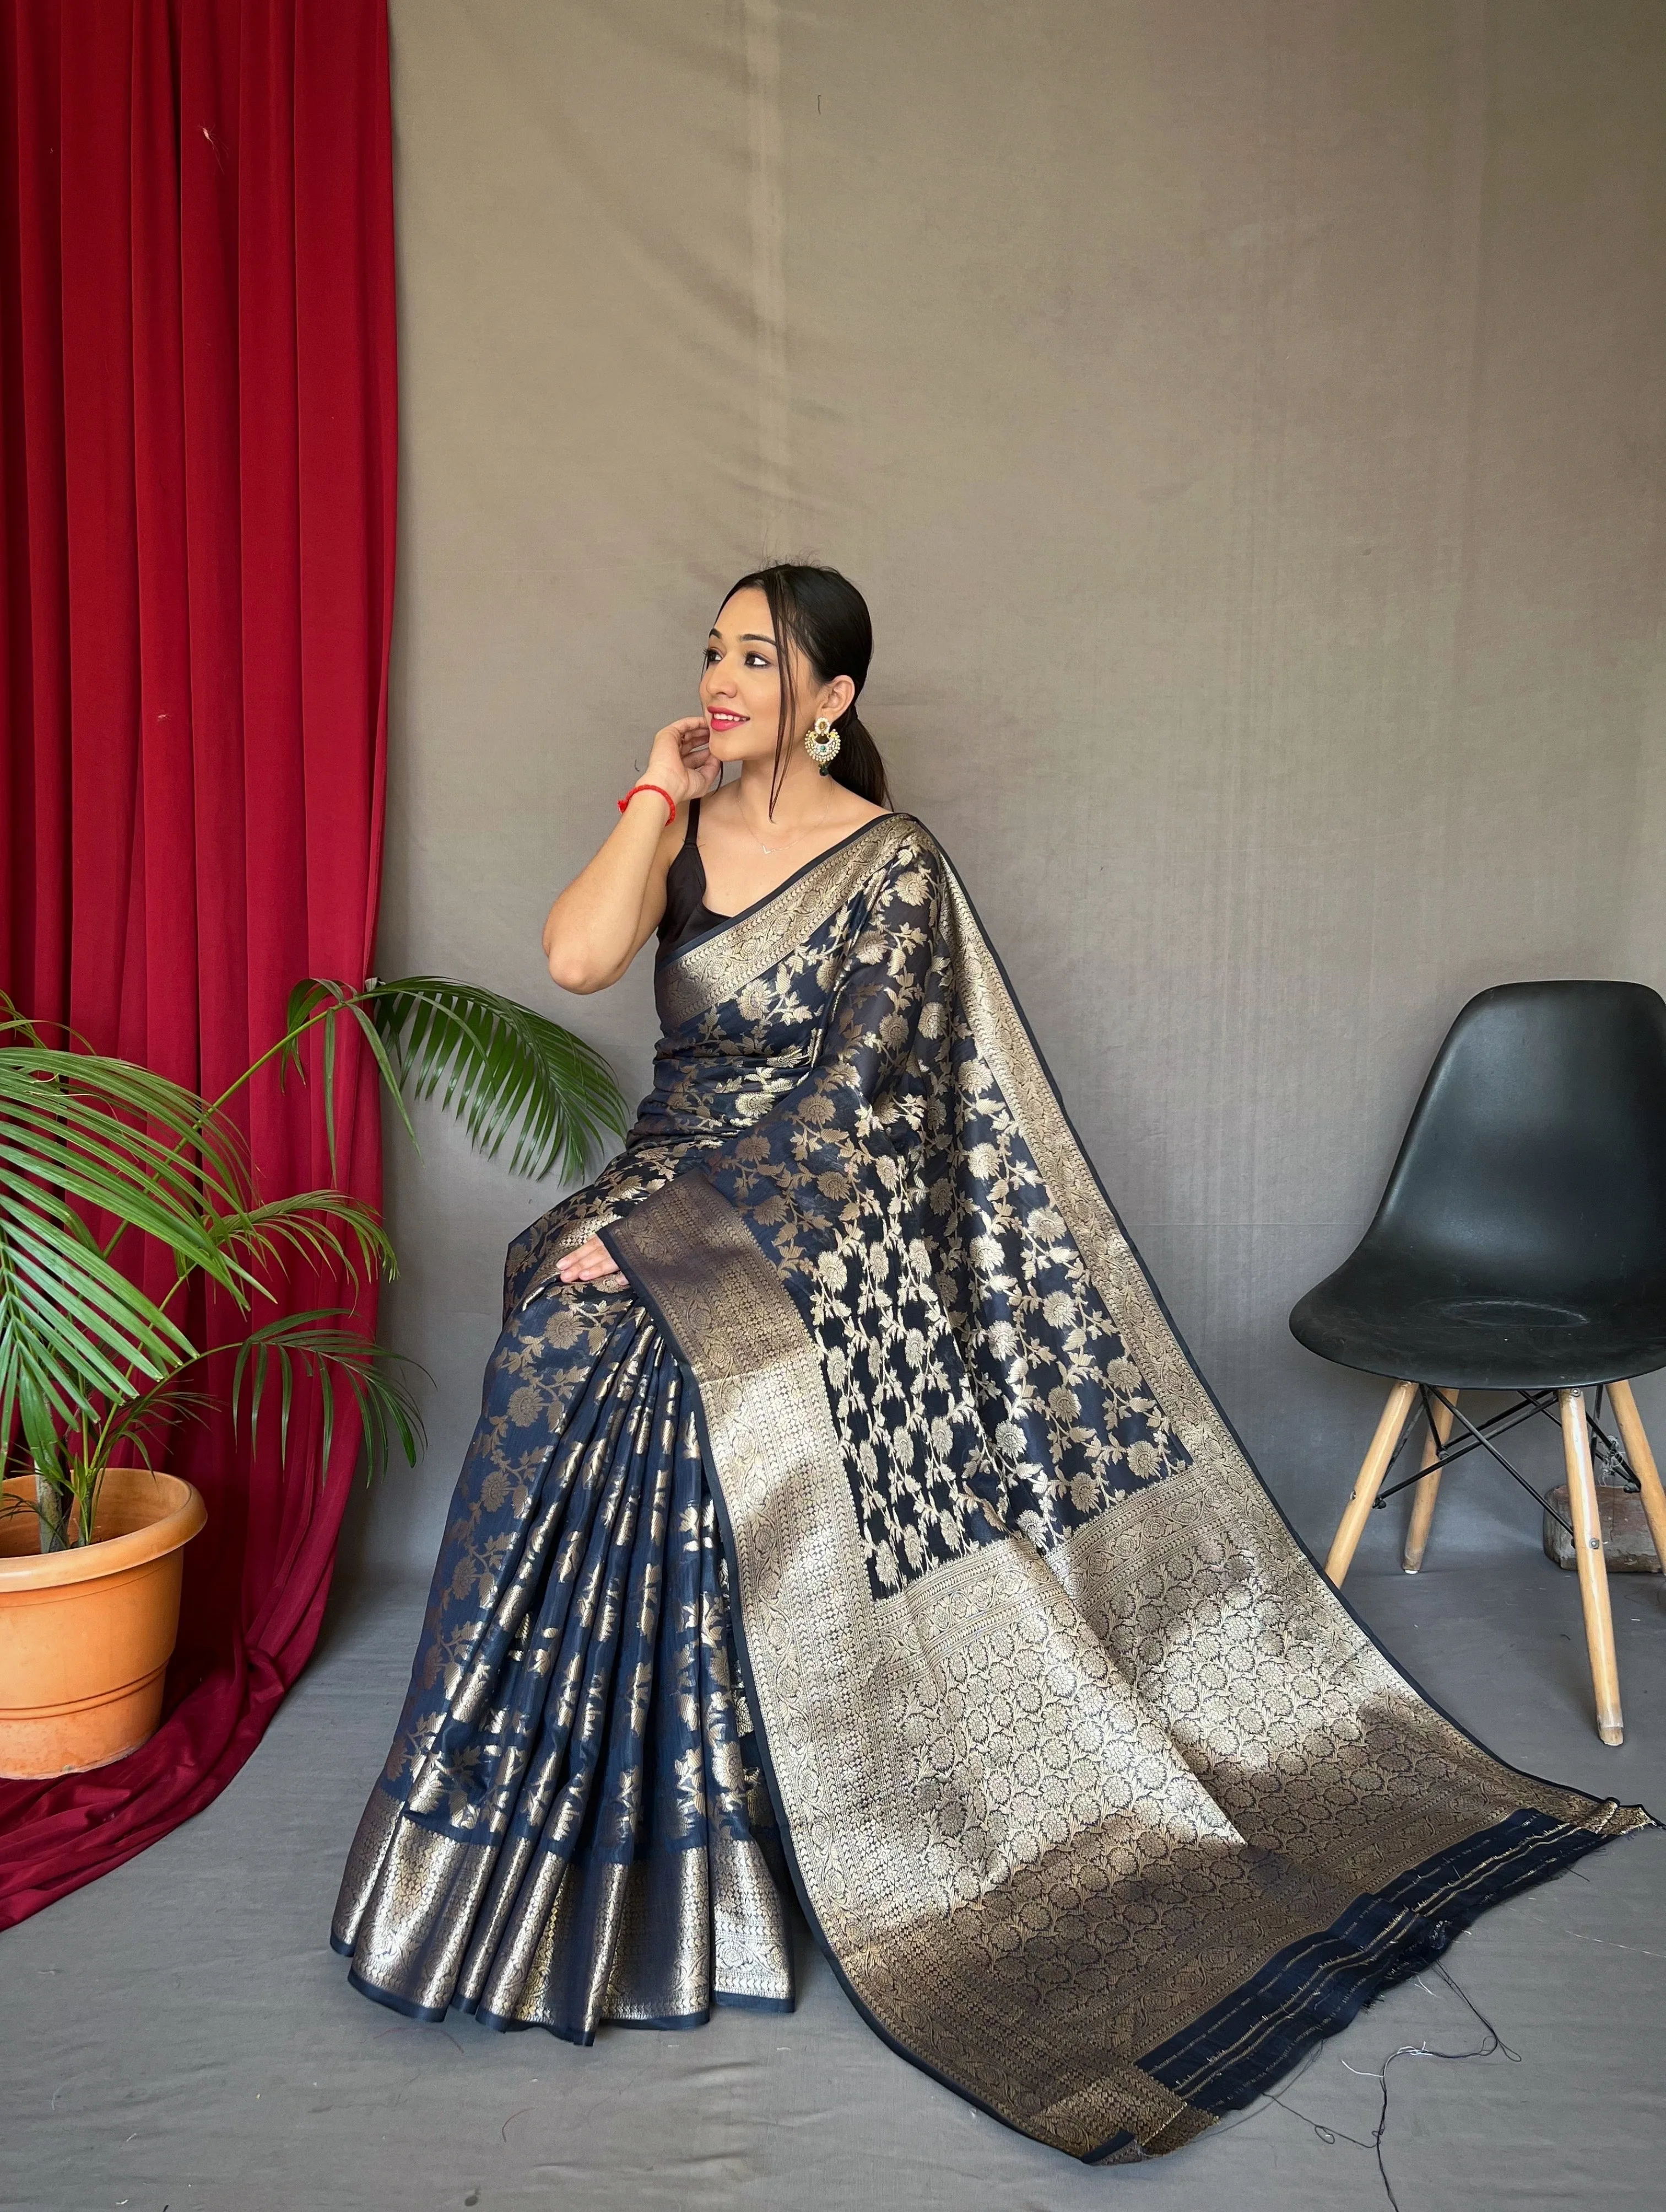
(871, 1534)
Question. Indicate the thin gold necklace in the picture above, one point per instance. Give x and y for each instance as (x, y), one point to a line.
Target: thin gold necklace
(771, 849)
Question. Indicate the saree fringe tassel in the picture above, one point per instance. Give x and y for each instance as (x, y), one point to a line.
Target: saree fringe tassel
(873, 1531)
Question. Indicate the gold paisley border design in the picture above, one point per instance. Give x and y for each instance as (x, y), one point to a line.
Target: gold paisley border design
(714, 967)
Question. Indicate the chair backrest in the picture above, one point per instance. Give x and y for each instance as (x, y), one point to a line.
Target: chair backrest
(1535, 1159)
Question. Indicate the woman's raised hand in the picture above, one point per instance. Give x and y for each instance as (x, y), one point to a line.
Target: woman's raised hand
(680, 760)
(607, 913)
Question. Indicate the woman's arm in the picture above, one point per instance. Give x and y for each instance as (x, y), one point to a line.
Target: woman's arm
(607, 913)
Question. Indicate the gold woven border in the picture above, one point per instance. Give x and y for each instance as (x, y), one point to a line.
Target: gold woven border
(662, 1963)
(1223, 1484)
(928, 1920)
(715, 968)
(752, 1944)
(1020, 1791)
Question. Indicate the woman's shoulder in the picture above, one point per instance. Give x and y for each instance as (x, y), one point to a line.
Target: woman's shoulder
(905, 831)
(868, 810)
(900, 853)
(892, 835)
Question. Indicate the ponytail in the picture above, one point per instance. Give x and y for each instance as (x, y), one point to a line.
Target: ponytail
(857, 765)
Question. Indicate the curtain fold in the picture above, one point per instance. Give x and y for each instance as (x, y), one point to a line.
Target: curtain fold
(197, 455)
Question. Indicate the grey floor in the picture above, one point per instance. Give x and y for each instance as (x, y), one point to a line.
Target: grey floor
(178, 2038)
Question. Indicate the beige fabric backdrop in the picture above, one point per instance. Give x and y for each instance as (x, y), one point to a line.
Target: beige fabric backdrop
(1246, 422)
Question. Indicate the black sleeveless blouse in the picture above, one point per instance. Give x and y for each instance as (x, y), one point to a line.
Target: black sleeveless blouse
(686, 912)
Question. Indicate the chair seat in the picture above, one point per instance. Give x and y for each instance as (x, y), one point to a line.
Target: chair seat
(1398, 1322)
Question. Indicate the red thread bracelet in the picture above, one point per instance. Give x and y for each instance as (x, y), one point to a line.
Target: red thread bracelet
(658, 790)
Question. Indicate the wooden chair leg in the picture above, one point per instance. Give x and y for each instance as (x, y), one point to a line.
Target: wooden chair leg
(1351, 1525)
(1593, 1568)
(1643, 1464)
(1423, 1497)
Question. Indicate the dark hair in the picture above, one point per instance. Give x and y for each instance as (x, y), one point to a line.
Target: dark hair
(826, 618)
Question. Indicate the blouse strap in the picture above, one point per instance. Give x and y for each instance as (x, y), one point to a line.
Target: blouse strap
(690, 836)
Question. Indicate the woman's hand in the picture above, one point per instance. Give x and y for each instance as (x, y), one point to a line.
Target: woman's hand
(601, 921)
(679, 760)
(588, 1263)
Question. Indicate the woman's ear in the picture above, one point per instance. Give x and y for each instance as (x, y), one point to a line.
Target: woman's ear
(838, 695)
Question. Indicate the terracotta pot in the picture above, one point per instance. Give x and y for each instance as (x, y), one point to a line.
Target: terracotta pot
(86, 1634)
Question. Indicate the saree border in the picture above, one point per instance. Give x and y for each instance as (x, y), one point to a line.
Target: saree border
(1072, 1164)
(709, 1288)
(775, 1473)
(1222, 2059)
(773, 1456)
(709, 968)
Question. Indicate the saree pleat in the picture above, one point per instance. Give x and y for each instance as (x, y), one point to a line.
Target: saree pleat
(550, 1863)
(871, 1532)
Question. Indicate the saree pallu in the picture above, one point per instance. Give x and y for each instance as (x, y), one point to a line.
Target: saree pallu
(872, 1531)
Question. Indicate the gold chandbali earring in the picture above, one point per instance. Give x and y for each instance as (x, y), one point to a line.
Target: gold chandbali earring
(823, 743)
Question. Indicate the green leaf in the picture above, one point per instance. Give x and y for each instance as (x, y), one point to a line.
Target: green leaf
(316, 1342)
(333, 1232)
(390, 1073)
(304, 1000)
(330, 1020)
(81, 1132)
(73, 1328)
(319, 1002)
(85, 1354)
(130, 1424)
(120, 1139)
(506, 1072)
(511, 1076)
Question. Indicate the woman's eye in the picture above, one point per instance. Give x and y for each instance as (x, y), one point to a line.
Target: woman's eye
(712, 654)
(755, 660)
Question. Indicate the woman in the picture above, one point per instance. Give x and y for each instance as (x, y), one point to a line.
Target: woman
(845, 1512)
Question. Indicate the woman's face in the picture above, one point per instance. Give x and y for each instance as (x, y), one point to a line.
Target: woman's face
(740, 687)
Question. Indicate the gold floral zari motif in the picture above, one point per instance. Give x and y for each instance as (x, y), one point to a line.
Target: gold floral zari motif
(1100, 1801)
(1048, 1804)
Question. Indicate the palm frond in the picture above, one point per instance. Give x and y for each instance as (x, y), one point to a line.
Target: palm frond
(88, 1362)
(68, 1490)
(505, 1070)
(319, 1002)
(82, 1132)
(315, 1343)
(125, 1142)
(331, 1230)
(131, 1425)
(511, 1076)
(73, 1328)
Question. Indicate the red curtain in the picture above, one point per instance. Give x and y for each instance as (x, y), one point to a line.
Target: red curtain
(197, 469)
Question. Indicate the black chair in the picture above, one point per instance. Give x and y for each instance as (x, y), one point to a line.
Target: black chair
(1520, 1247)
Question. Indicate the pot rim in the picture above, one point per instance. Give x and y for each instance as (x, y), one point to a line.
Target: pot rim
(182, 1514)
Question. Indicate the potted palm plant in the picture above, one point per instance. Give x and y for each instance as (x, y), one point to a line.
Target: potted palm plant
(100, 1360)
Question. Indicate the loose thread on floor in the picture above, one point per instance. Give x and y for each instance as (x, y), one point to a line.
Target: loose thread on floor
(1495, 2047)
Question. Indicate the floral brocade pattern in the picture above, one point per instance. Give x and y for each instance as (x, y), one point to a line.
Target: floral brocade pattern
(1102, 1801)
(582, 1537)
(839, 1103)
(574, 1769)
